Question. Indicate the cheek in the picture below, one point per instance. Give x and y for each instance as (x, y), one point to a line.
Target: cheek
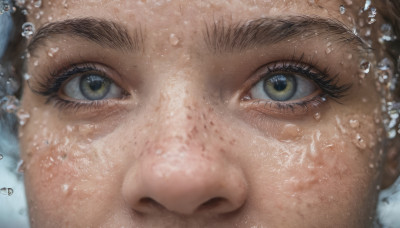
(63, 169)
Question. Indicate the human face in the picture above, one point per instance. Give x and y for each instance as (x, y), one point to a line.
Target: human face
(194, 128)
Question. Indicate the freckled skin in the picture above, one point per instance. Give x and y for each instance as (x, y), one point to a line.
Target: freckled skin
(182, 152)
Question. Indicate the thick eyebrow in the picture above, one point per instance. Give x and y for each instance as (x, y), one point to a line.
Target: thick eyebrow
(267, 31)
(103, 32)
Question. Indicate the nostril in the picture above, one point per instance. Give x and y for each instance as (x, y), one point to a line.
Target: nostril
(148, 203)
(212, 203)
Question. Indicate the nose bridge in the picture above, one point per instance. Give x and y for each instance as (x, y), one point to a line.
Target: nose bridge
(180, 169)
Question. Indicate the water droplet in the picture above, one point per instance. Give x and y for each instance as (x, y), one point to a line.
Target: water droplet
(365, 66)
(24, 12)
(9, 104)
(28, 29)
(367, 5)
(1, 156)
(173, 39)
(4, 6)
(20, 3)
(372, 12)
(37, 3)
(360, 143)
(65, 188)
(386, 33)
(6, 191)
(371, 20)
(328, 50)
(317, 116)
(342, 9)
(21, 166)
(391, 134)
(354, 123)
(23, 117)
(349, 56)
(27, 76)
(52, 51)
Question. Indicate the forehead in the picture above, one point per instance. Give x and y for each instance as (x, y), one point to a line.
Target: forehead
(168, 13)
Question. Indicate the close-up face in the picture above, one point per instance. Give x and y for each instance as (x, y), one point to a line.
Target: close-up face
(204, 113)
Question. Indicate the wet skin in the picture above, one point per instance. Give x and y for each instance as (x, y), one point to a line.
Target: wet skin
(188, 143)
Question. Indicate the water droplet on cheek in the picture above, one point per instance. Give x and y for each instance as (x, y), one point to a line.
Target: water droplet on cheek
(360, 142)
(173, 39)
(354, 123)
(290, 132)
(317, 116)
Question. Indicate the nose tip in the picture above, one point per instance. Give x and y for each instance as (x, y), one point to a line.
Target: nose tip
(186, 188)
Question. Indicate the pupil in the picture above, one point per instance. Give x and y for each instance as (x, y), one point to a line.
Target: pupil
(279, 82)
(95, 83)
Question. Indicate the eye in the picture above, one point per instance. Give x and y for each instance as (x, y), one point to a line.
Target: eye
(282, 86)
(290, 88)
(91, 87)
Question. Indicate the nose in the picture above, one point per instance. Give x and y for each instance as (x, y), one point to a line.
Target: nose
(186, 183)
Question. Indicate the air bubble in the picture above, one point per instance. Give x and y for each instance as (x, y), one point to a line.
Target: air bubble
(27, 76)
(342, 9)
(9, 104)
(6, 191)
(27, 30)
(1, 156)
(20, 3)
(365, 66)
(4, 6)
(173, 39)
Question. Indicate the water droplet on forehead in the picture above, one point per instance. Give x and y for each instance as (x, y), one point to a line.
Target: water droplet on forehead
(342, 9)
(52, 51)
(28, 29)
(37, 3)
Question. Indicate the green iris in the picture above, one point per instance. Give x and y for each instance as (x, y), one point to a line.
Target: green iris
(280, 87)
(94, 87)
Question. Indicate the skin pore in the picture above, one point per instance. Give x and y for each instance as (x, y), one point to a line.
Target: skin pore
(186, 138)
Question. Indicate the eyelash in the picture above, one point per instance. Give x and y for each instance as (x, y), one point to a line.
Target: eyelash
(53, 84)
(329, 86)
